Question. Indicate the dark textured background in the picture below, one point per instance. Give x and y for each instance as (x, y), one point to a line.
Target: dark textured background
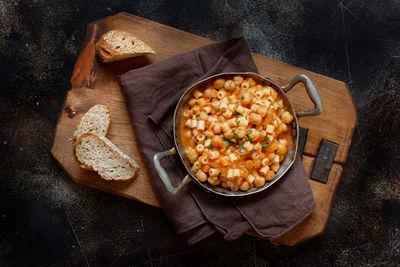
(45, 219)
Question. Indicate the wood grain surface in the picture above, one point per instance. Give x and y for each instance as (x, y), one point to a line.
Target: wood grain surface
(93, 82)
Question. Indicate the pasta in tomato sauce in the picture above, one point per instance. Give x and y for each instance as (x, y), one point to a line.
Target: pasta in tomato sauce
(235, 133)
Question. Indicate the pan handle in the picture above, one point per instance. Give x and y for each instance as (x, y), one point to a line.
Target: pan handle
(311, 91)
(163, 174)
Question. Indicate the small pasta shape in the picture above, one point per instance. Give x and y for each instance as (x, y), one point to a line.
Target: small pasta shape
(248, 146)
(197, 94)
(192, 102)
(228, 134)
(214, 155)
(223, 106)
(240, 131)
(275, 167)
(270, 176)
(207, 109)
(213, 172)
(224, 185)
(229, 176)
(244, 186)
(201, 176)
(219, 83)
(225, 161)
(201, 125)
(259, 181)
(200, 138)
(270, 128)
(202, 102)
(265, 162)
(238, 79)
(214, 181)
(192, 155)
(244, 173)
(259, 94)
(282, 128)
(281, 149)
(215, 163)
(249, 164)
(255, 119)
(215, 104)
(236, 173)
(217, 141)
(217, 128)
(245, 85)
(203, 160)
(287, 117)
(225, 127)
(199, 148)
(229, 85)
(254, 134)
(264, 170)
(196, 166)
(250, 178)
(221, 94)
(210, 93)
(205, 168)
(232, 157)
(227, 114)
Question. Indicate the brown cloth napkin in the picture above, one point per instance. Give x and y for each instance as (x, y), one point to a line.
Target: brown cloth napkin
(152, 93)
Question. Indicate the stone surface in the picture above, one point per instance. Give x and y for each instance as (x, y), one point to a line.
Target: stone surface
(45, 219)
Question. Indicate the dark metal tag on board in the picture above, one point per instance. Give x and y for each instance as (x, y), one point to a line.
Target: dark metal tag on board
(323, 161)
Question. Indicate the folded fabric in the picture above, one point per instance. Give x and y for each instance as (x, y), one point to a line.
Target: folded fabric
(152, 93)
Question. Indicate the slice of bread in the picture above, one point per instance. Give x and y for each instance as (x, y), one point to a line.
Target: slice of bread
(116, 45)
(96, 120)
(99, 154)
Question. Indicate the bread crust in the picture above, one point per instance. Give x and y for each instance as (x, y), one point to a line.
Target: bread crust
(107, 143)
(117, 45)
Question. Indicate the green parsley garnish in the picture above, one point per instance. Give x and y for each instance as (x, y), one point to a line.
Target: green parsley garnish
(226, 148)
(198, 115)
(184, 127)
(242, 97)
(252, 151)
(241, 148)
(237, 123)
(265, 144)
(266, 138)
(254, 126)
(237, 114)
(217, 109)
(235, 136)
(229, 142)
(249, 132)
(210, 146)
(206, 137)
(248, 139)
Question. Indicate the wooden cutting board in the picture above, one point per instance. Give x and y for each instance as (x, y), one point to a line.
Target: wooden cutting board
(94, 82)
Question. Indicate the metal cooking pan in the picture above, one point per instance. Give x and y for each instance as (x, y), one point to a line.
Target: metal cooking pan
(292, 150)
